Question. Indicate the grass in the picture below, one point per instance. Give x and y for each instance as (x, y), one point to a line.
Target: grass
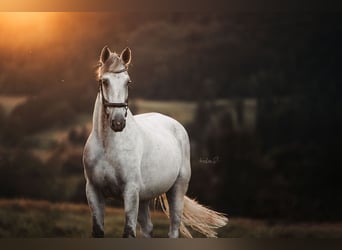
(29, 218)
(251, 228)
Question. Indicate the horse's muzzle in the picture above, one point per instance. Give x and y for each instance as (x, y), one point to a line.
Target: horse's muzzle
(118, 125)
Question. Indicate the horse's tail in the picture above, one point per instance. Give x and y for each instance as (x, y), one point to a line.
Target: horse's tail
(196, 216)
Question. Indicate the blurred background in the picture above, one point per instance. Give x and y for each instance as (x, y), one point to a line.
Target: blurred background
(257, 92)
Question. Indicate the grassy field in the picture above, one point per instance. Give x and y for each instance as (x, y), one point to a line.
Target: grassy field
(28, 218)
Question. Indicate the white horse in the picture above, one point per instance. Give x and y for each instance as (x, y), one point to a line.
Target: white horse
(138, 159)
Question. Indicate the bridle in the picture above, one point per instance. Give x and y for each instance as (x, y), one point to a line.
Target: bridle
(107, 104)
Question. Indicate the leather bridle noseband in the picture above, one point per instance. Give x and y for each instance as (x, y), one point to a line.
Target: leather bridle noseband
(108, 104)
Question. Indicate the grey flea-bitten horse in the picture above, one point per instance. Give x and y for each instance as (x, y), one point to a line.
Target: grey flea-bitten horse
(139, 158)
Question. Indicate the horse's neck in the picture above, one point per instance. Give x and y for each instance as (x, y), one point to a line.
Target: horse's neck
(101, 127)
(99, 118)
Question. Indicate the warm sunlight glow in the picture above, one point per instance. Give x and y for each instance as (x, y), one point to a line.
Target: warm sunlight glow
(26, 27)
(25, 18)
(20, 16)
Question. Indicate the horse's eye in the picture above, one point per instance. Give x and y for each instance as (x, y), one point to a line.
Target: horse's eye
(104, 81)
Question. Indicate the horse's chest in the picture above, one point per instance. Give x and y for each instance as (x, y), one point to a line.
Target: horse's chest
(106, 178)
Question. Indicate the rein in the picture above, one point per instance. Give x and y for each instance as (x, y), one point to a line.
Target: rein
(108, 104)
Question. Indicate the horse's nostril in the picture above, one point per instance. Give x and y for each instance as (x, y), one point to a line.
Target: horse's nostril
(116, 123)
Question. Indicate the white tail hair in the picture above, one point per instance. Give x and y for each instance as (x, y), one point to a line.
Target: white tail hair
(196, 216)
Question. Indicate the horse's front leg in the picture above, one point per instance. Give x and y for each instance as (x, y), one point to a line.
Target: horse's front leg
(96, 203)
(131, 203)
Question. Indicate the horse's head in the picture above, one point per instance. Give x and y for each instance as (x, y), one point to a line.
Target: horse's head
(114, 80)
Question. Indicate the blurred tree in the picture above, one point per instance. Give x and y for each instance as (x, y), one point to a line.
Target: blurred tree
(78, 136)
(23, 175)
(2, 123)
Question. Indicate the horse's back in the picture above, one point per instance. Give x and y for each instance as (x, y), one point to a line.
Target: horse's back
(159, 122)
(155, 118)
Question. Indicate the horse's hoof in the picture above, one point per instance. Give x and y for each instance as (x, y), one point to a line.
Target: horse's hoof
(97, 235)
(128, 233)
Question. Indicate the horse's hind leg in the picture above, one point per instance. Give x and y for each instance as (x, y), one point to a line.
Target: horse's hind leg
(144, 219)
(175, 198)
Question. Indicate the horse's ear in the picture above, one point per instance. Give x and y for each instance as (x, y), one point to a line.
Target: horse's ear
(105, 53)
(126, 56)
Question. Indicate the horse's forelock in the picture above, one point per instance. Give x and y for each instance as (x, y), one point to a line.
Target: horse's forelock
(113, 63)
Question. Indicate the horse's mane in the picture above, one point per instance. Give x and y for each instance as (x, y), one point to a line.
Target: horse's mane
(113, 63)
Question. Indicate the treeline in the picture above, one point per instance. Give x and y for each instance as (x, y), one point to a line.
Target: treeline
(289, 166)
(175, 55)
